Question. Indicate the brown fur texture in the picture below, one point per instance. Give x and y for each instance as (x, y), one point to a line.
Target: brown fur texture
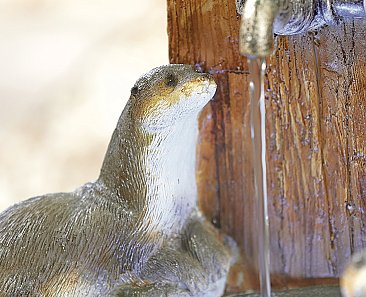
(136, 231)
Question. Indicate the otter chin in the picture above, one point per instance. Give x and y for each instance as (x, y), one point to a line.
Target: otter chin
(136, 230)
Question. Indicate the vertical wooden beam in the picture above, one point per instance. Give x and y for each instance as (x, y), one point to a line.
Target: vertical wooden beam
(316, 139)
(205, 33)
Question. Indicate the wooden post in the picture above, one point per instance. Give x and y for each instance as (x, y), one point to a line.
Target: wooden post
(316, 139)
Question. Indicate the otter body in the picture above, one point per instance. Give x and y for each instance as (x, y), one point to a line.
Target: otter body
(136, 230)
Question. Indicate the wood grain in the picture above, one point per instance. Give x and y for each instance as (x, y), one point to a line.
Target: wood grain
(316, 140)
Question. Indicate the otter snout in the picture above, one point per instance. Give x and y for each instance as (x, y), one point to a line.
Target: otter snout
(205, 84)
(205, 77)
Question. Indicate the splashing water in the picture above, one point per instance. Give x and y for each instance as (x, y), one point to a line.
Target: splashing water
(257, 68)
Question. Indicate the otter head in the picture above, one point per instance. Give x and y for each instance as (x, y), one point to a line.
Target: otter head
(169, 94)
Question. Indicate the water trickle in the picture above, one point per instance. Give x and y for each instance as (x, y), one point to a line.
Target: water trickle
(257, 68)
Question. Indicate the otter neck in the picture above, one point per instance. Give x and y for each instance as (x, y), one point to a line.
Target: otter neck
(154, 173)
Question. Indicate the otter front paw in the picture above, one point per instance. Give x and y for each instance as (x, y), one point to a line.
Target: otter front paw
(151, 290)
(196, 263)
(178, 268)
(202, 242)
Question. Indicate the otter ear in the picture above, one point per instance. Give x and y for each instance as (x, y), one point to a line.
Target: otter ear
(134, 91)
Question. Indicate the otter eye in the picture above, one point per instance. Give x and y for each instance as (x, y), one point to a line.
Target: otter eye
(171, 80)
(134, 90)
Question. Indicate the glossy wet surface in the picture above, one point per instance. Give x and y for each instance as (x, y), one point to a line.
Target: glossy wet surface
(319, 291)
(257, 68)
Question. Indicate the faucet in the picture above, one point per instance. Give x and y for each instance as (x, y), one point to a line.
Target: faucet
(260, 19)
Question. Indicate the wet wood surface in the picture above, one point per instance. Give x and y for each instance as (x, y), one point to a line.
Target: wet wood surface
(316, 140)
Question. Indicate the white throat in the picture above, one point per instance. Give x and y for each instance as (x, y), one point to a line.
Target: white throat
(171, 168)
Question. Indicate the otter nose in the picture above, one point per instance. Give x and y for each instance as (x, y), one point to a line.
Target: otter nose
(205, 78)
(198, 68)
(203, 75)
(202, 78)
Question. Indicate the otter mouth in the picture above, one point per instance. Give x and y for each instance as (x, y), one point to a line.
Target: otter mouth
(206, 86)
(202, 85)
(197, 93)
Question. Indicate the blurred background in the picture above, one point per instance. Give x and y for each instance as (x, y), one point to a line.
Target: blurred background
(66, 70)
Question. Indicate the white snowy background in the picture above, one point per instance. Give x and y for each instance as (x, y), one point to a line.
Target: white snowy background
(66, 69)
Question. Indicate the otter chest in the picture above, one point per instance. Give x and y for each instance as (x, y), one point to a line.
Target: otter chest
(171, 186)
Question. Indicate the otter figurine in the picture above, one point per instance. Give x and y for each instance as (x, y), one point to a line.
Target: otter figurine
(136, 230)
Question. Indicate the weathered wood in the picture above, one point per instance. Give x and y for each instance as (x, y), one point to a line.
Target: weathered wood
(316, 139)
(316, 111)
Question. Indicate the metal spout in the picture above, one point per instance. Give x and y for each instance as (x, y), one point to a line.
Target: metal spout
(263, 18)
(256, 36)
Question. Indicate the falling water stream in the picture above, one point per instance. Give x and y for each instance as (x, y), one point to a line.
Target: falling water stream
(257, 67)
